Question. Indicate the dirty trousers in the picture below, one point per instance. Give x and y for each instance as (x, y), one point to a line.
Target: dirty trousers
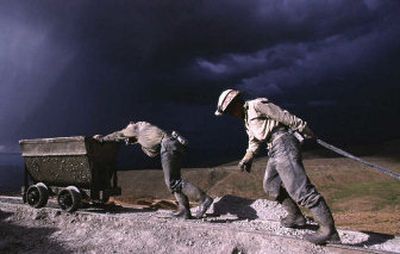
(285, 170)
(172, 152)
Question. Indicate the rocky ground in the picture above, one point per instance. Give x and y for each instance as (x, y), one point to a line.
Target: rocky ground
(360, 198)
(366, 207)
(233, 225)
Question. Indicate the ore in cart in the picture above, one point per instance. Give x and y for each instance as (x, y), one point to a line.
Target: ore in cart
(75, 169)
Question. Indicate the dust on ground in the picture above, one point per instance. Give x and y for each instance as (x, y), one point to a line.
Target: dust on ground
(233, 225)
(360, 198)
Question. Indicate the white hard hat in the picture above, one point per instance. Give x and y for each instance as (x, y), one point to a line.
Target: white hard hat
(225, 99)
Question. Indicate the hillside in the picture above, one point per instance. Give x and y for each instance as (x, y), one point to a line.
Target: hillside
(361, 199)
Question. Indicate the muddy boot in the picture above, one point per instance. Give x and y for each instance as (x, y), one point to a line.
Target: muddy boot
(295, 218)
(183, 207)
(199, 195)
(203, 207)
(327, 232)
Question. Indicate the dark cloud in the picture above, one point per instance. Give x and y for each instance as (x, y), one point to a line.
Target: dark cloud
(82, 67)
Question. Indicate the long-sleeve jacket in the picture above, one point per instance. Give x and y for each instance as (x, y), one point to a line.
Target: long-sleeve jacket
(147, 135)
(262, 117)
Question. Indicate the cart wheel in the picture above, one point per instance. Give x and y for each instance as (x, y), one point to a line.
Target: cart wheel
(69, 199)
(37, 195)
(106, 199)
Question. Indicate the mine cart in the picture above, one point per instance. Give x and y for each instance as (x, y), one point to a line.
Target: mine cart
(75, 169)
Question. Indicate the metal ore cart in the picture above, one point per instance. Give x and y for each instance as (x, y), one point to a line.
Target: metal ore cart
(74, 169)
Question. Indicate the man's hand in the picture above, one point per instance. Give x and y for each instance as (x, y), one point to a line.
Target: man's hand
(98, 137)
(308, 133)
(245, 165)
(246, 162)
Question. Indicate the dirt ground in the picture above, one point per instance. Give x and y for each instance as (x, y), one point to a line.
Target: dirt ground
(233, 225)
(365, 204)
(360, 198)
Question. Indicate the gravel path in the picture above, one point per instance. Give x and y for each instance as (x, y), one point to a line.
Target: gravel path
(236, 226)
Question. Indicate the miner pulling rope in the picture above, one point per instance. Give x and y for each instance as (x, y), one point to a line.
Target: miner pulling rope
(285, 178)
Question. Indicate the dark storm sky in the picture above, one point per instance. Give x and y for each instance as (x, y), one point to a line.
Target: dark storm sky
(86, 67)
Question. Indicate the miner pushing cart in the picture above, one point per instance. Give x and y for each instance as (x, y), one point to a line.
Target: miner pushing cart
(74, 169)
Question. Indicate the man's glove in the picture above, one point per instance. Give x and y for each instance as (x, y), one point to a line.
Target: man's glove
(246, 162)
(308, 133)
(98, 137)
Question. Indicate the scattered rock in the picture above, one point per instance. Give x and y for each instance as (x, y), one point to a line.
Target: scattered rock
(233, 225)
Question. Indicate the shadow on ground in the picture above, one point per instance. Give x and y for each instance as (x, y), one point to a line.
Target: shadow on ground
(373, 239)
(234, 205)
(18, 239)
(115, 209)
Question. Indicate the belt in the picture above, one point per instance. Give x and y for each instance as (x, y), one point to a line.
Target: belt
(179, 137)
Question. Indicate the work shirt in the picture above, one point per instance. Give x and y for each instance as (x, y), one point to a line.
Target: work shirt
(147, 135)
(262, 117)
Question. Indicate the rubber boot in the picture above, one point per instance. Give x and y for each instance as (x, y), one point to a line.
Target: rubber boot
(203, 207)
(295, 218)
(198, 195)
(183, 206)
(327, 232)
